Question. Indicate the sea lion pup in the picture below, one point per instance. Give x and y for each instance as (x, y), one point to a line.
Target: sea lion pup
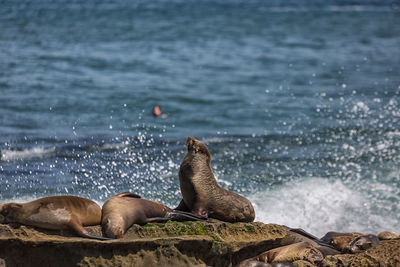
(121, 211)
(388, 235)
(55, 213)
(201, 193)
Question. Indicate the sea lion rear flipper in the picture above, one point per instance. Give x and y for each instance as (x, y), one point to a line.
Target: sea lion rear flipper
(310, 236)
(189, 215)
(78, 228)
(182, 216)
(128, 194)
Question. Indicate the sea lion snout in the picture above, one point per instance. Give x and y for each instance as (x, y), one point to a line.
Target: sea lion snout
(190, 141)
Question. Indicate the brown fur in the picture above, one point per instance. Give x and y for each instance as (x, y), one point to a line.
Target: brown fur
(54, 212)
(123, 210)
(289, 253)
(340, 240)
(201, 193)
(293, 252)
(362, 243)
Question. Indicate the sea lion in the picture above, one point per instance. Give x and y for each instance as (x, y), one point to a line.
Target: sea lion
(388, 235)
(351, 242)
(362, 243)
(257, 263)
(290, 253)
(340, 240)
(293, 252)
(55, 213)
(295, 235)
(201, 193)
(121, 211)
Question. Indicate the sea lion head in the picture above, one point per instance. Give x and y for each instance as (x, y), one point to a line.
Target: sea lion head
(194, 145)
(114, 229)
(362, 243)
(7, 212)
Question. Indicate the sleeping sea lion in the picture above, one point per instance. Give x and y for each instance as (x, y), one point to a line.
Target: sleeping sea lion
(55, 213)
(388, 235)
(201, 193)
(351, 242)
(123, 210)
(362, 243)
(290, 253)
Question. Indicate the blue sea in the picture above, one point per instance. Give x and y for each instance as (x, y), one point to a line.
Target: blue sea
(298, 102)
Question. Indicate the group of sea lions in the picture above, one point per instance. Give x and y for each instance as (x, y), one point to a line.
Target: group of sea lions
(312, 249)
(202, 199)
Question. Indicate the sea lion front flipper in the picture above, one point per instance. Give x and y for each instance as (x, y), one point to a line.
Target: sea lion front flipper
(182, 206)
(310, 236)
(81, 231)
(128, 194)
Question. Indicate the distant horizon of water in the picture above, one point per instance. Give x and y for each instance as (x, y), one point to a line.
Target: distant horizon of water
(297, 101)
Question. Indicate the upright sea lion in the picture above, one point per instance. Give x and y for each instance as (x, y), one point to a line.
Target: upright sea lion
(55, 213)
(123, 210)
(201, 193)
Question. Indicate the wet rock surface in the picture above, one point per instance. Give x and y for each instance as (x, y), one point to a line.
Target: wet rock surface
(169, 244)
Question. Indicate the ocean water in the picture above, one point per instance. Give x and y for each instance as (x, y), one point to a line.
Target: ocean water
(298, 102)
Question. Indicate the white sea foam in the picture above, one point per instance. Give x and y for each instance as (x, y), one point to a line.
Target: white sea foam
(35, 152)
(318, 206)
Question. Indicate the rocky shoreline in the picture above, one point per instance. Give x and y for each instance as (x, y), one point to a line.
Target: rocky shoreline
(169, 244)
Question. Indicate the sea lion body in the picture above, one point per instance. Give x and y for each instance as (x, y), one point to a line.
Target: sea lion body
(296, 235)
(55, 213)
(388, 235)
(123, 210)
(351, 242)
(340, 240)
(293, 252)
(290, 253)
(201, 193)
